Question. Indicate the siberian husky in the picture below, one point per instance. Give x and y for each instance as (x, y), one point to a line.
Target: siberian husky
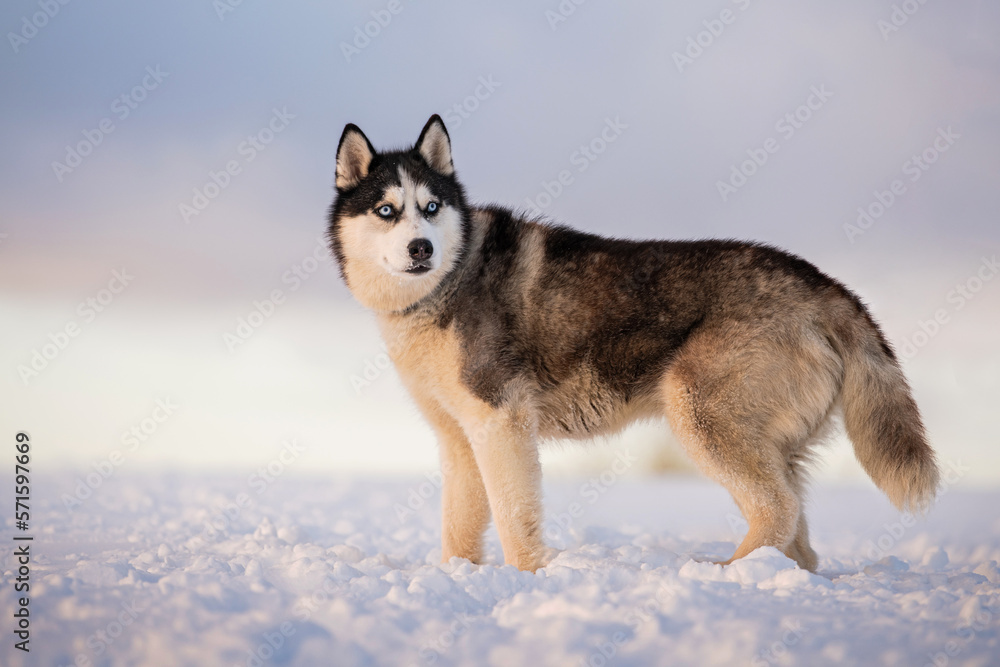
(508, 330)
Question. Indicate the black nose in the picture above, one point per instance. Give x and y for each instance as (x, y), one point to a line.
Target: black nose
(420, 249)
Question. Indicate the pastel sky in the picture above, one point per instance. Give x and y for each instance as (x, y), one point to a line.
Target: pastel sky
(772, 121)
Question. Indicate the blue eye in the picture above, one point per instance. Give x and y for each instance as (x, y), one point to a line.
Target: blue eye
(432, 207)
(384, 211)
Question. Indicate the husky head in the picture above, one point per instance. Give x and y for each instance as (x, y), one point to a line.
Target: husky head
(399, 222)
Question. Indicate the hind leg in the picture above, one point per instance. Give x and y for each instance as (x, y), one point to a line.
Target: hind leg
(799, 550)
(744, 415)
(771, 509)
(749, 469)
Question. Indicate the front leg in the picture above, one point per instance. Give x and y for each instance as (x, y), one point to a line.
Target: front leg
(507, 456)
(465, 510)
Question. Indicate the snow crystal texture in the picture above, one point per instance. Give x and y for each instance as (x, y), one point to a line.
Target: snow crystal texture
(211, 570)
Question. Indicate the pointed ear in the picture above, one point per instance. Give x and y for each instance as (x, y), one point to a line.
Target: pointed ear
(435, 146)
(354, 156)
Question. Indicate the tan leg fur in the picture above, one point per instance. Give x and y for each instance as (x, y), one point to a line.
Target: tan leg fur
(484, 448)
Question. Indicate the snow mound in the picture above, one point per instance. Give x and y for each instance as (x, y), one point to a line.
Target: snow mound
(765, 568)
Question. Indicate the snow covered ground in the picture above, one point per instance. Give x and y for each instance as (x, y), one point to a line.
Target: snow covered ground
(291, 569)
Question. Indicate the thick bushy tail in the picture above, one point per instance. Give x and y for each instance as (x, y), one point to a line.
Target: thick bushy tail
(882, 419)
